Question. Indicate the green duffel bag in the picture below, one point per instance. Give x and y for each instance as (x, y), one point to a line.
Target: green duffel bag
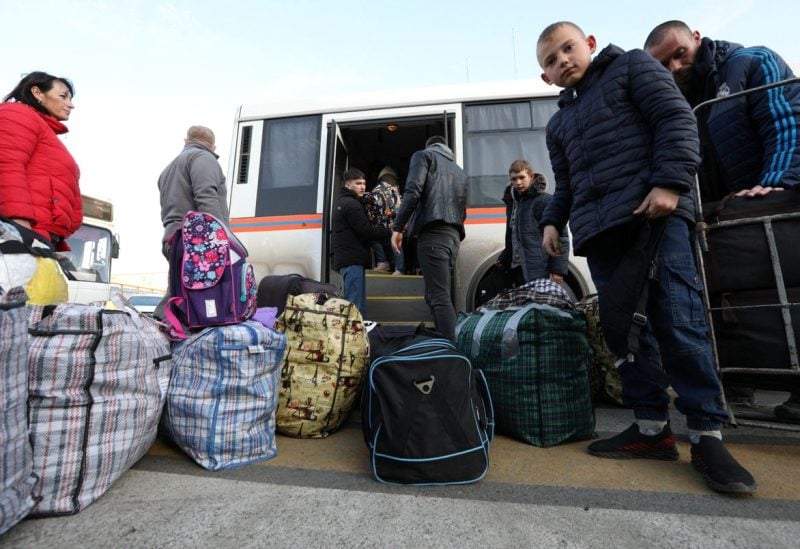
(535, 359)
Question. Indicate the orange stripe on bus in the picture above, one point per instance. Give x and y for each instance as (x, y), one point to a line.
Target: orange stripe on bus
(276, 218)
(477, 211)
(276, 228)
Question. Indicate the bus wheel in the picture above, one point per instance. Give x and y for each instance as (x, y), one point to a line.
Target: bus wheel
(493, 282)
(571, 286)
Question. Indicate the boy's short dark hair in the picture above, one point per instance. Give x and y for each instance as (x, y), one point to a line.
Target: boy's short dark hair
(435, 139)
(550, 29)
(518, 166)
(351, 174)
(658, 34)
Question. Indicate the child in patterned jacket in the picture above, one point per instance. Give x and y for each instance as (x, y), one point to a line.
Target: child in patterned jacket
(382, 203)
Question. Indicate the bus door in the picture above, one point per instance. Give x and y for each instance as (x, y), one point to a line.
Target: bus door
(335, 165)
(368, 140)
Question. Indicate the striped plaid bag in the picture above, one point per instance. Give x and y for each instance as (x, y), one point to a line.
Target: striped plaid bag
(327, 357)
(535, 361)
(541, 290)
(97, 381)
(223, 393)
(16, 459)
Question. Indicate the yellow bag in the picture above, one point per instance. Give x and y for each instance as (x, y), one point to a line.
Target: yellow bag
(48, 285)
(327, 355)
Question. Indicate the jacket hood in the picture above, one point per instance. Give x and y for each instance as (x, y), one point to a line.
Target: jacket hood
(710, 55)
(539, 182)
(388, 175)
(344, 191)
(600, 62)
(198, 145)
(442, 149)
(538, 185)
(713, 53)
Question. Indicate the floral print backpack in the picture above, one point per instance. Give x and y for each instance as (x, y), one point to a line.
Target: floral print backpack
(211, 282)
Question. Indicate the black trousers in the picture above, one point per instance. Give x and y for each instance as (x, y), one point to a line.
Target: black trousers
(437, 250)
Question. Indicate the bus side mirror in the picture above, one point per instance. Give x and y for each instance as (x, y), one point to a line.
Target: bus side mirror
(115, 246)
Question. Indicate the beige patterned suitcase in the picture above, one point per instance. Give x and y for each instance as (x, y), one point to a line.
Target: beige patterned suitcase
(327, 357)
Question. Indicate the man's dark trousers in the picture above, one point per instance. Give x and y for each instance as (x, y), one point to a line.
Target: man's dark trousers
(437, 250)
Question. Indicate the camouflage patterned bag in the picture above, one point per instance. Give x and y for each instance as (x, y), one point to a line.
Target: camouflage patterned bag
(603, 375)
(328, 354)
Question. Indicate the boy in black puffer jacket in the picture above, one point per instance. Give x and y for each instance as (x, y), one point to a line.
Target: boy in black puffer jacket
(352, 233)
(624, 150)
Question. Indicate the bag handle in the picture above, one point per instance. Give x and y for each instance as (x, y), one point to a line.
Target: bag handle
(721, 206)
(34, 244)
(174, 325)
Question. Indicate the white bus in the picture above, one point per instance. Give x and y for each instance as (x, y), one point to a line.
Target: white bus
(287, 161)
(93, 246)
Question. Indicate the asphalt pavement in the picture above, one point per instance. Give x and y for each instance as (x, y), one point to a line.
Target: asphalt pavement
(321, 493)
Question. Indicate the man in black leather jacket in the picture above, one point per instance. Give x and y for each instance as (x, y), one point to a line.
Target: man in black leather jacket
(434, 206)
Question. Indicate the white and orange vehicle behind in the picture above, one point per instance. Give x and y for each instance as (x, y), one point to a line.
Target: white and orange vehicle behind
(286, 162)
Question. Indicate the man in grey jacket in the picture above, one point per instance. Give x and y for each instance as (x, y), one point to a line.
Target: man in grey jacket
(434, 205)
(192, 181)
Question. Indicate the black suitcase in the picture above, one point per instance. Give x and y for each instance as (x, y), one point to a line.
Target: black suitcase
(738, 256)
(274, 289)
(755, 337)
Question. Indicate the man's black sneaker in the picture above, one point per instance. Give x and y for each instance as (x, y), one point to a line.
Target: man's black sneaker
(631, 444)
(720, 469)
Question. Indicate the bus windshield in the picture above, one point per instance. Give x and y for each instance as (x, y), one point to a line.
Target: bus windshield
(90, 254)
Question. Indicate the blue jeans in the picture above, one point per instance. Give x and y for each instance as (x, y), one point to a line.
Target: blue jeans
(355, 286)
(437, 250)
(675, 337)
(381, 248)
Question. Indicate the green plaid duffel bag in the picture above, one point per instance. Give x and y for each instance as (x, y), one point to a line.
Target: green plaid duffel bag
(535, 359)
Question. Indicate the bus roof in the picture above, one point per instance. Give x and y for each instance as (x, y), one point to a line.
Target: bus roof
(483, 91)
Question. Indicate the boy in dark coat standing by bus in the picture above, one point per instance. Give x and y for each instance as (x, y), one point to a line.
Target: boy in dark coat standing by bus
(352, 233)
(524, 257)
(624, 150)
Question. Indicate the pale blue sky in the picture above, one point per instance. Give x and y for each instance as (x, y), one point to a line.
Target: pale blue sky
(146, 70)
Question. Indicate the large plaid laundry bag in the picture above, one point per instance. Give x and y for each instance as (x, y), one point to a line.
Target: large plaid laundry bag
(326, 360)
(535, 358)
(16, 459)
(97, 383)
(223, 393)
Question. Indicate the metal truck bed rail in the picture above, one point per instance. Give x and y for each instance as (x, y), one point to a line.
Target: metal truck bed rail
(703, 228)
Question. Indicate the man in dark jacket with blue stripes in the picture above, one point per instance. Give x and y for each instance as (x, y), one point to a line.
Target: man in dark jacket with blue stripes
(749, 145)
(624, 150)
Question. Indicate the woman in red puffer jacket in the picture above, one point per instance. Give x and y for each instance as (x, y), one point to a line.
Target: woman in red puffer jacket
(38, 176)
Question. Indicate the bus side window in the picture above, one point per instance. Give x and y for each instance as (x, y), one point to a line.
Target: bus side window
(289, 169)
(497, 134)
